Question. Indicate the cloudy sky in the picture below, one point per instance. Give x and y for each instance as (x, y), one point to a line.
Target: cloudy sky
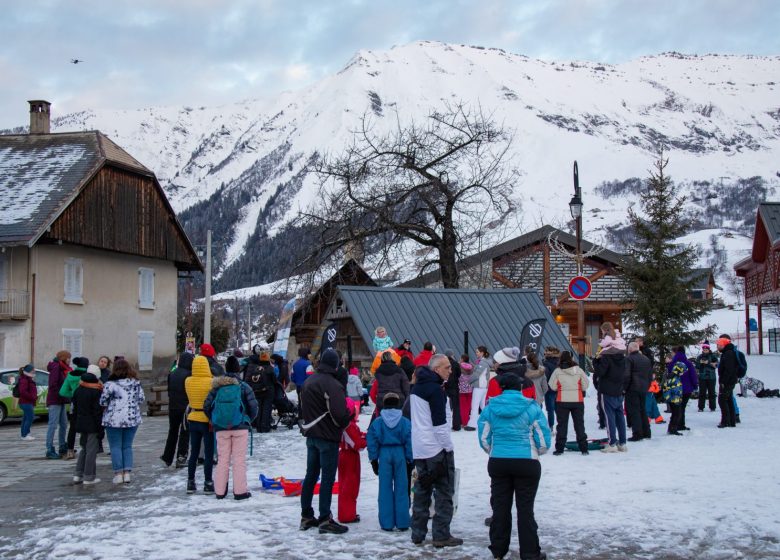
(141, 53)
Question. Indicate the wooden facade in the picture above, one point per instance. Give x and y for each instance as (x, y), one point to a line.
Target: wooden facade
(761, 270)
(126, 212)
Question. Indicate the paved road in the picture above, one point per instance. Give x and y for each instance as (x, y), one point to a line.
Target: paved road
(32, 486)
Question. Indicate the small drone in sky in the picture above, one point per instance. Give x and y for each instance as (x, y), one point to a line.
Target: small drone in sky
(75, 60)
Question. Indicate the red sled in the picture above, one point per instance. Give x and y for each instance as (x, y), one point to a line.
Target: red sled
(290, 486)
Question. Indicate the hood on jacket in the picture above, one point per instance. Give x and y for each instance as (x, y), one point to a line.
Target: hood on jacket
(325, 368)
(427, 375)
(185, 361)
(534, 373)
(89, 378)
(391, 416)
(510, 404)
(512, 367)
(224, 381)
(388, 368)
(200, 367)
(570, 371)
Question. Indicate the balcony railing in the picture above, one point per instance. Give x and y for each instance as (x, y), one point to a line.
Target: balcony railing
(14, 304)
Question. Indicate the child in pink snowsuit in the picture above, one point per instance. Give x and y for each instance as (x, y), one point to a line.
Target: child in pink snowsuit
(352, 441)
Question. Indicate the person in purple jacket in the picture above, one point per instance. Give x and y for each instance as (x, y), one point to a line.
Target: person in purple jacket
(689, 379)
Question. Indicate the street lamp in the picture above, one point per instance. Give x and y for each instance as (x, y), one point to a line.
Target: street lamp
(575, 207)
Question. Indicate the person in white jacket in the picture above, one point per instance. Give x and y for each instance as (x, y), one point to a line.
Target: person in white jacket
(479, 381)
(570, 383)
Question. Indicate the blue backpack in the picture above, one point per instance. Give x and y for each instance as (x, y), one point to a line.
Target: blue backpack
(227, 411)
(741, 363)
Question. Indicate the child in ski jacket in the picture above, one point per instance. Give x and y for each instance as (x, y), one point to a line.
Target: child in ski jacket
(355, 387)
(88, 416)
(390, 450)
(232, 398)
(673, 394)
(381, 341)
(352, 441)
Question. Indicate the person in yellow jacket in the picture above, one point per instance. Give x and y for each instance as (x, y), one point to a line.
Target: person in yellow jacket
(197, 387)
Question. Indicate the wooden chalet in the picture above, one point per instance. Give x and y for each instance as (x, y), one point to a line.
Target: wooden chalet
(761, 270)
(91, 250)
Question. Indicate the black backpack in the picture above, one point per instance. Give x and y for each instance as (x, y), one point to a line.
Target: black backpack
(16, 391)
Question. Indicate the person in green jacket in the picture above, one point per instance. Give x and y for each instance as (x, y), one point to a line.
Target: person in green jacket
(69, 386)
(706, 365)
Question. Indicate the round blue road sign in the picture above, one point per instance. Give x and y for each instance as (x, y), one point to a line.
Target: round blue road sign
(579, 288)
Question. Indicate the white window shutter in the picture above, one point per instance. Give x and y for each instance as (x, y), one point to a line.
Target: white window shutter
(72, 341)
(145, 349)
(74, 283)
(146, 287)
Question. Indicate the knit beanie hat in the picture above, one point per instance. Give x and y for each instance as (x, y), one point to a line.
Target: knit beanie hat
(94, 370)
(232, 365)
(330, 358)
(507, 355)
(391, 400)
(207, 350)
(705, 344)
(29, 368)
(303, 352)
(81, 362)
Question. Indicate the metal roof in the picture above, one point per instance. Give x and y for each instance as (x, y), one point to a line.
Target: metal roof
(770, 215)
(493, 318)
(516, 244)
(40, 174)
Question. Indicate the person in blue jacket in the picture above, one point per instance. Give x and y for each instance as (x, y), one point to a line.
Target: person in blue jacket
(389, 441)
(299, 368)
(514, 431)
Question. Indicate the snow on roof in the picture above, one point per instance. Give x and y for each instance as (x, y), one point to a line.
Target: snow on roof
(39, 173)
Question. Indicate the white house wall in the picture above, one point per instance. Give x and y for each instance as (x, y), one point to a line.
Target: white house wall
(110, 316)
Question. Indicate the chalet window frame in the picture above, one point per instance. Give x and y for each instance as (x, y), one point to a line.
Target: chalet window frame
(73, 341)
(74, 281)
(146, 279)
(145, 353)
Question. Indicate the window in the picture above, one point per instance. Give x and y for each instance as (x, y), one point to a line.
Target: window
(72, 341)
(74, 282)
(145, 349)
(146, 288)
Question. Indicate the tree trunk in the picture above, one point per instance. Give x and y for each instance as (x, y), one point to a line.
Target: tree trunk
(447, 257)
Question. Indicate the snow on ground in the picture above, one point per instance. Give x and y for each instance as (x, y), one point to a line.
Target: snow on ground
(710, 494)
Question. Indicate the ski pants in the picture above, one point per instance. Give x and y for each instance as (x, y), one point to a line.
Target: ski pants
(675, 421)
(651, 406)
(478, 396)
(635, 408)
(728, 415)
(178, 440)
(265, 404)
(514, 480)
(393, 497)
(577, 412)
(454, 399)
(707, 393)
(436, 476)
(349, 484)
(231, 448)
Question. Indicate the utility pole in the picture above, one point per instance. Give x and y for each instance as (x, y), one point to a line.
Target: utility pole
(575, 207)
(249, 326)
(207, 309)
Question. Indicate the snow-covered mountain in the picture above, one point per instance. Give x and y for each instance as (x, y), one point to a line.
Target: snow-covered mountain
(718, 115)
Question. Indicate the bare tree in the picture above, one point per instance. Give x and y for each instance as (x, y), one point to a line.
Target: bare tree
(430, 182)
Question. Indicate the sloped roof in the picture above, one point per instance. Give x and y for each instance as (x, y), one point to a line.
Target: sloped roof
(770, 215)
(701, 278)
(41, 173)
(494, 318)
(516, 244)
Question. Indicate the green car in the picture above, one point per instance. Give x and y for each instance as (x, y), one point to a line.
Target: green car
(9, 406)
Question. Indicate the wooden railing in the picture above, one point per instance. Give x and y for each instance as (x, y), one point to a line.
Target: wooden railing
(14, 304)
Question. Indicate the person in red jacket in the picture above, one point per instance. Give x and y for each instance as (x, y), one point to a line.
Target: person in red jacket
(28, 394)
(405, 349)
(352, 441)
(508, 360)
(425, 356)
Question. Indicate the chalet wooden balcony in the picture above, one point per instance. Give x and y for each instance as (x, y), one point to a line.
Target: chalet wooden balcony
(14, 304)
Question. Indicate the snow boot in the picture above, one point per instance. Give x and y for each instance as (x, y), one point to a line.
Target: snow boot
(622, 448)
(243, 496)
(191, 488)
(737, 419)
(208, 487)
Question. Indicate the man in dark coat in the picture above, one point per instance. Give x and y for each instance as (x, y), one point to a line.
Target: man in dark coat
(259, 375)
(610, 368)
(452, 390)
(177, 405)
(728, 376)
(639, 371)
(325, 415)
(88, 416)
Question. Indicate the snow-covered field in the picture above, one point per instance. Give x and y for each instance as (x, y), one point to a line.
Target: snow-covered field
(710, 494)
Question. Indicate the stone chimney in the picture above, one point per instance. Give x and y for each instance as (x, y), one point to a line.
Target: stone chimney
(40, 117)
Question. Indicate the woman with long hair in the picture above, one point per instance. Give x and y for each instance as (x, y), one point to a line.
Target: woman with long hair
(122, 398)
(569, 382)
(479, 382)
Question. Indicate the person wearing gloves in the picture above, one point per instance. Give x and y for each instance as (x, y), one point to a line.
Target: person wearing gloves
(390, 451)
(28, 394)
(569, 383)
(88, 415)
(706, 366)
(514, 432)
(231, 406)
(197, 387)
(433, 453)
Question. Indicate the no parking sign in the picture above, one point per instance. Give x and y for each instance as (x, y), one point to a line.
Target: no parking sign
(579, 288)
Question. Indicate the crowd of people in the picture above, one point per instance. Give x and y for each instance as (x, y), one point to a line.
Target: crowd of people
(513, 399)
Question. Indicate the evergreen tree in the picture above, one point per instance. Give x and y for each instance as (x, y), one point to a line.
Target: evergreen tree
(659, 270)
